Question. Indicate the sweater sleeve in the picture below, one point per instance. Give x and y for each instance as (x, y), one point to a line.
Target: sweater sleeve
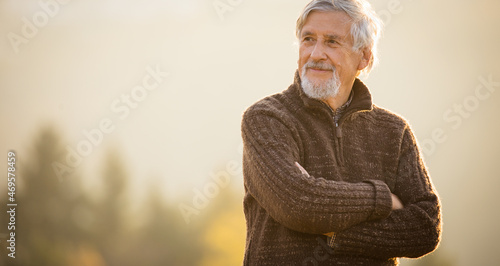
(412, 231)
(298, 201)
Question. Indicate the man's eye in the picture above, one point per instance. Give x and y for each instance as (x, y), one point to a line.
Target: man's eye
(308, 39)
(332, 42)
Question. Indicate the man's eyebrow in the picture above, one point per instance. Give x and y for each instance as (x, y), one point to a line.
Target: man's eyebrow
(307, 33)
(333, 37)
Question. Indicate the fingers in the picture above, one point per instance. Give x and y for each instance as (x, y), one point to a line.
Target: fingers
(396, 202)
(302, 170)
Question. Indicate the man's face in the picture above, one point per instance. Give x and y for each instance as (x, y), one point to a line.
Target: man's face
(325, 48)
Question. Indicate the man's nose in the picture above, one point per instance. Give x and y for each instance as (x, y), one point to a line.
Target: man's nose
(318, 53)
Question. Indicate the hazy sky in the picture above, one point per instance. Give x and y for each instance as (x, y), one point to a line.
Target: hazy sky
(86, 54)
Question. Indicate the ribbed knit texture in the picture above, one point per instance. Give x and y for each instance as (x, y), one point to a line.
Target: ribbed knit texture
(353, 170)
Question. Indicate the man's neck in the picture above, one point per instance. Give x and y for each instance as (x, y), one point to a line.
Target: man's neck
(339, 100)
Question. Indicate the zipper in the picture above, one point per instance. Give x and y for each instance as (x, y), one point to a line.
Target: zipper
(340, 148)
(338, 131)
(331, 240)
(338, 137)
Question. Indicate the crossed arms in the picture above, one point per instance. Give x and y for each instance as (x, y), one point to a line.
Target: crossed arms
(396, 202)
(355, 212)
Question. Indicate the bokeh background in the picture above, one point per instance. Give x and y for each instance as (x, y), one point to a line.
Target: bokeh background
(163, 184)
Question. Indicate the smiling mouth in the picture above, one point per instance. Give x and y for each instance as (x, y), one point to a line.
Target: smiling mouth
(320, 69)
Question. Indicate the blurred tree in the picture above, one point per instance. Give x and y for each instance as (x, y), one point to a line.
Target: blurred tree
(58, 223)
(110, 234)
(165, 239)
(45, 231)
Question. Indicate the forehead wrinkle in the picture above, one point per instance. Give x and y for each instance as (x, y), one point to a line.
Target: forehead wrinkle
(325, 35)
(344, 21)
(328, 35)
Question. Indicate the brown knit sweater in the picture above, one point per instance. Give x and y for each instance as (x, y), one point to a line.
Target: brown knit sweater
(353, 170)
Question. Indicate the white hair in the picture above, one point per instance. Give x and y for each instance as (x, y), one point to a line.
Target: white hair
(365, 28)
(328, 89)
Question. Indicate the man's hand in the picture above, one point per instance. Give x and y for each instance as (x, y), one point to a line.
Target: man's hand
(396, 202)
(302, 170)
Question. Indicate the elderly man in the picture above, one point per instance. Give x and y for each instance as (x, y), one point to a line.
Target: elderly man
(330, 178)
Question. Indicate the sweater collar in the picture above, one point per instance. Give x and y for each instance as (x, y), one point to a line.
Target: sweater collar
(361, 100)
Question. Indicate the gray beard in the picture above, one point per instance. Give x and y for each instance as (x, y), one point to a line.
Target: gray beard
(322, 91)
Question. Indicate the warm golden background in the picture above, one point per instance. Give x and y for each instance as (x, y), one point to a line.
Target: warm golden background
(122, 203)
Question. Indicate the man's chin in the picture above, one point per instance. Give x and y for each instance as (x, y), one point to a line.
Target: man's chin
(318, 83)
(318, 79)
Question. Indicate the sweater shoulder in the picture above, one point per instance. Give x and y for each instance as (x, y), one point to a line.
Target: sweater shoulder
(388, 118)
(277, 105)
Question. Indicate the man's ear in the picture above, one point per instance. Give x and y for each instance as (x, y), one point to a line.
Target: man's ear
(366, 57)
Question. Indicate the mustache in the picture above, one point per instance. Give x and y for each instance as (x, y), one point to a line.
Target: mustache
(319, 65)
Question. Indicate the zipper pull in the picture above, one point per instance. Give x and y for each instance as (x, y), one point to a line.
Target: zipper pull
(338, 131)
